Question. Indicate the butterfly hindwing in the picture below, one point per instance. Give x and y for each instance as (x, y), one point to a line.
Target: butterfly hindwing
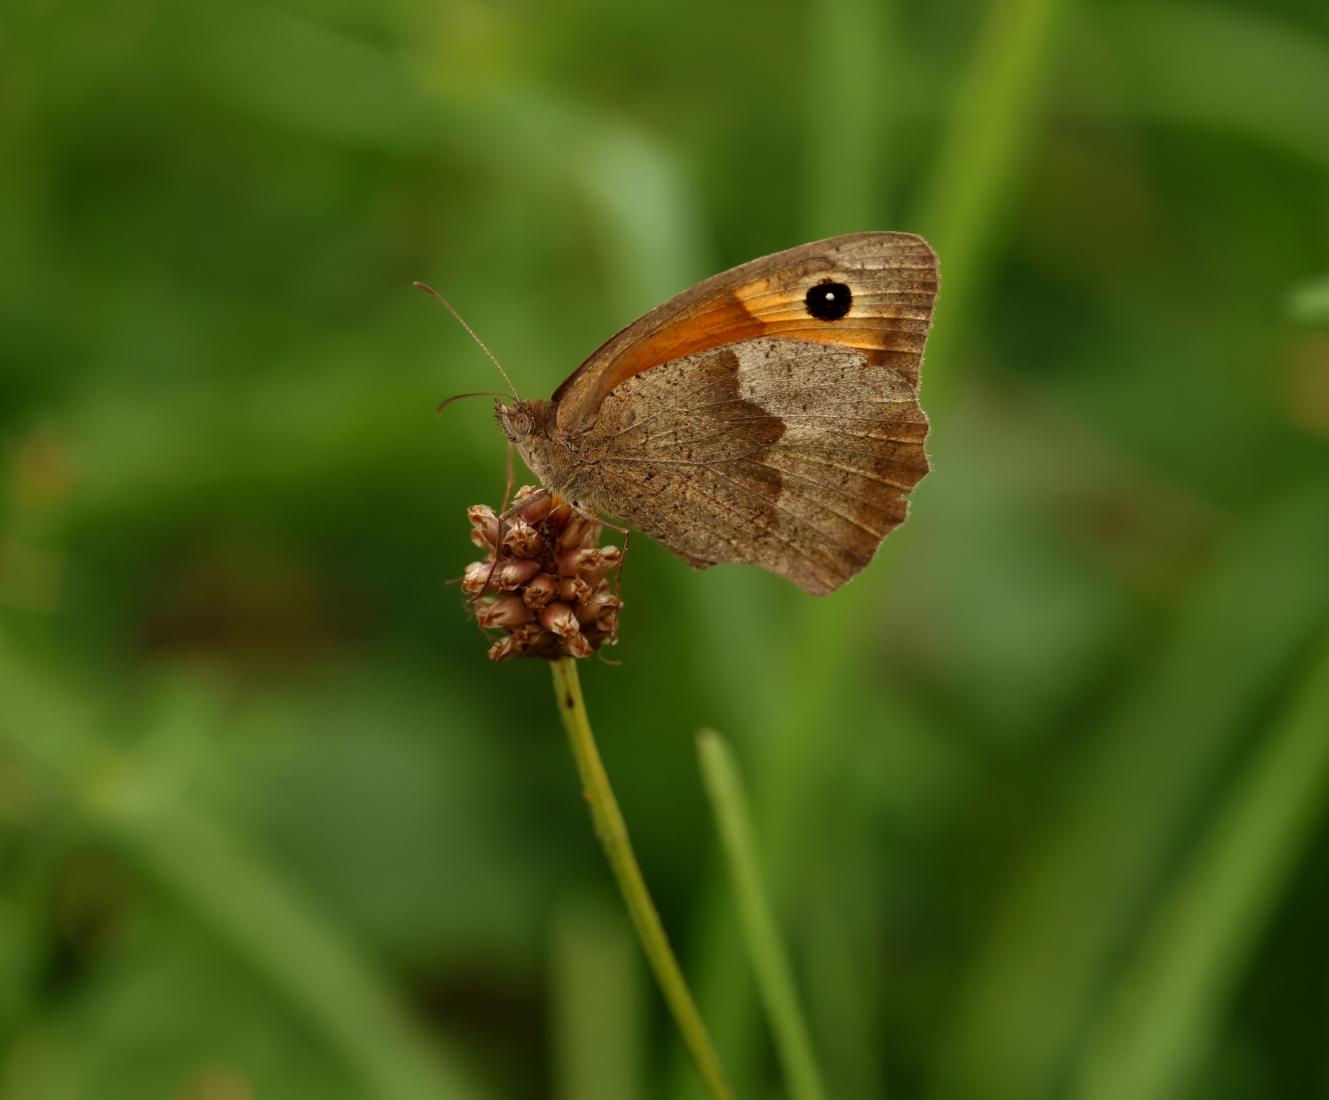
(790, 455)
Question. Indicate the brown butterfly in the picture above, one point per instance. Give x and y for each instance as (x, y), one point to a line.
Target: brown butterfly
(769, 415)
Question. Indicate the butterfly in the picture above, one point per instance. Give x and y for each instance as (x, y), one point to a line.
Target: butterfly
(769, 415)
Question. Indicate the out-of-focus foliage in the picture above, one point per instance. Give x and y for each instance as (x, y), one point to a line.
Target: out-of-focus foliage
(1037, 793)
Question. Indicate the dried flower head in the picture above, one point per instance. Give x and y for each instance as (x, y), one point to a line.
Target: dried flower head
(545, 583)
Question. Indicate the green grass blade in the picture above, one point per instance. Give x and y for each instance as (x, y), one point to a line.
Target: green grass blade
(597, 1004)
(850, 96)
(1030, 995)
(761, 937)
(978, 168)
(286, 941)
(1308, 303)
(278, 933)
(1172, 1000)
(1257, 75)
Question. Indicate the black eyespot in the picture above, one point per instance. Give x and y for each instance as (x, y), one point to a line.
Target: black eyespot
(828, 301)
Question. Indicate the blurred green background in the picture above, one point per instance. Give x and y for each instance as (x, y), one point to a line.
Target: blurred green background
(1038, 795)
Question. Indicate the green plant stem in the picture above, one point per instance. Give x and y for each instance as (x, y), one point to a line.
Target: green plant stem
(765, 951)
(613, 834)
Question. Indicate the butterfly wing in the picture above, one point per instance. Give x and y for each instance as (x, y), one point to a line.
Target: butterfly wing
(792, 456)
(769, 415)
(891, 279)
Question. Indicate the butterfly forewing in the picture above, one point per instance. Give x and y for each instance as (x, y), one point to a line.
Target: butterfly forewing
(891, 279)
(768, 415)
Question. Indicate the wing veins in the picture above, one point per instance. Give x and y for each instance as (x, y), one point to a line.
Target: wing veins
(775, 506)
(875, 534)
(867, 475)
(819, 566)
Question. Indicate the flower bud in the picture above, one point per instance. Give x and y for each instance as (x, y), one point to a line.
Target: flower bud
(530, 636)
(577, 645)
(504, 613)
(484, 526)
(573, 589)
(521, 539)
(599, 610)
(576, 533)
(610, 558)
(515, 572)
(504, 649)
(477, 578)
(559, 619)
(539, 591)
(578, 562)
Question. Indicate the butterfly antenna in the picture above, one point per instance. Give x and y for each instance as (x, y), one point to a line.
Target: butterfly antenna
(458, 396)
(462, 321)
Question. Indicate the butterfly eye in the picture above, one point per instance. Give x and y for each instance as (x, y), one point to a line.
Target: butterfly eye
(828, 301)
(521, 423)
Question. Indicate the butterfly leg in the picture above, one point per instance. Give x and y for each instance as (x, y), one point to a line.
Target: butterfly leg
(520, 506)
(507, 490)
(504, 517)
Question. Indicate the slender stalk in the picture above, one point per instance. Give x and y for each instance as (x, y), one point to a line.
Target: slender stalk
(613, 834)
(765, 951)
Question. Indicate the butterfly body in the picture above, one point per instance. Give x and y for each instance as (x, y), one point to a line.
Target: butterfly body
(769, 415)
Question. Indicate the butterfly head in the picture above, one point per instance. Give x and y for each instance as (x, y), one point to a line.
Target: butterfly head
(521, 419)
(527, 425)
